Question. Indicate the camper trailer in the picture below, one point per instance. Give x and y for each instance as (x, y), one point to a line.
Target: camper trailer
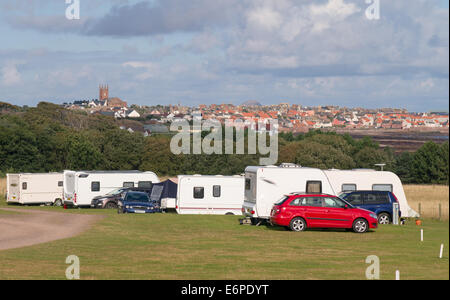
(81, 187)
(265, 185)
(370, 180)
(216, 195)
(42, 188)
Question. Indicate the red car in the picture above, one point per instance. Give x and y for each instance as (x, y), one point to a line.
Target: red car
(301, 211)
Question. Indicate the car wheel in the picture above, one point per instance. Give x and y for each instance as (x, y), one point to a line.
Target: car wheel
(384, 219)
(297, 224)
(111, 205)
(58, 203)
(360, 226)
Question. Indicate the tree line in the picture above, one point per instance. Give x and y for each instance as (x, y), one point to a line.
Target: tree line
(49, 138)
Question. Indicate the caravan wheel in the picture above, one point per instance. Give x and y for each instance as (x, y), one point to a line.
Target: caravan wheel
(57, 203)
(229, 214)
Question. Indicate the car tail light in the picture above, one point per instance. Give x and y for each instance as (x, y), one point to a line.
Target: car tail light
(176, 206)
(252, 212)
(243, 210)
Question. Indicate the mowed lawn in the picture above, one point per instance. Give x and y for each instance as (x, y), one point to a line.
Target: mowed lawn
(170, 246)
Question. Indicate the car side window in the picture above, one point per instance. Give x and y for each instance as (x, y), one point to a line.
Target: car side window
(329, 202)
(355, 199)
(376, 198)
(312, 201)
(296, 202)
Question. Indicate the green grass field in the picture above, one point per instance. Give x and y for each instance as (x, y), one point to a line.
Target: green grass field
(171, 246)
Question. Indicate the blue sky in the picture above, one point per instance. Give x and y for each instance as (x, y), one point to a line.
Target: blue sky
(322, 52)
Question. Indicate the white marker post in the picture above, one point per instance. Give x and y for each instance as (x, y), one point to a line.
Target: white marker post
(397, 275)
(442, 250)
(421, 235)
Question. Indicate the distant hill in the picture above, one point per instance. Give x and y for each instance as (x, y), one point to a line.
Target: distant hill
(251, 103)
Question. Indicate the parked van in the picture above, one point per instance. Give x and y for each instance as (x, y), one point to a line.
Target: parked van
(266, 185)
(216, 195)
(370, 180)
(38, 188)
(81, 187)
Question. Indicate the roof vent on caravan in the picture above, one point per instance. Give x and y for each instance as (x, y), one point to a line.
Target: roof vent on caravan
(289, 165)
(364, 170)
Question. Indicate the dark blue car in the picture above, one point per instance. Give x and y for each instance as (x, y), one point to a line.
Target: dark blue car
(138, 202)
(380, 202)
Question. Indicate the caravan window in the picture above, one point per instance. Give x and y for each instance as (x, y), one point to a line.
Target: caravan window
(24, 185)
(248, 184)
(314, 187)
(95, 186)
(128, 184)
(199, 193)
(216, 191)
(349, 187)
(145, 184)
(383, 187)
(60, 183)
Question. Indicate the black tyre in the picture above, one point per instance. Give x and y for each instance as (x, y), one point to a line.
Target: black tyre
(111, 205)
(229, 214)
(360, 226)
(58, 203)
(384, 218)
(297, 224)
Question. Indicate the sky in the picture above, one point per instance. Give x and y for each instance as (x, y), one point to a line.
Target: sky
(321, 52)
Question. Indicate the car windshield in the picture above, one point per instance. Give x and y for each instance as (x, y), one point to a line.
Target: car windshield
(343, 195)
(115, 192)
(137, 197)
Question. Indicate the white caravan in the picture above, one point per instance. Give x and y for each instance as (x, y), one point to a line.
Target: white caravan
(37, 188)
(370, 180)
(215, 195)
(266, 185)
(81, 187)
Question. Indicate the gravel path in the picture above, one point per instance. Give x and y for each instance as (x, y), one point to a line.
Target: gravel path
(31, 227)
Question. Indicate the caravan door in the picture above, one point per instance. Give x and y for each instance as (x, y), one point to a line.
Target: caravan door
(13, 188)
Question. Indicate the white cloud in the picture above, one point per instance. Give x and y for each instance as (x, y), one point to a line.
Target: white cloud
(10, 75)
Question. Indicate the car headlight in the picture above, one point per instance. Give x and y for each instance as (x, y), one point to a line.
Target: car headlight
(373, 216)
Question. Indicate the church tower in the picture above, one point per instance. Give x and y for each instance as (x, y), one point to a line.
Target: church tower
(104, 92)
